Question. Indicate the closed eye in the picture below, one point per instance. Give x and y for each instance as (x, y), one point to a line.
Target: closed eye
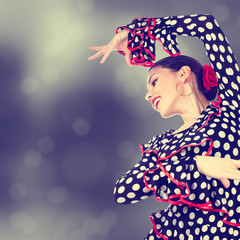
(154, 82)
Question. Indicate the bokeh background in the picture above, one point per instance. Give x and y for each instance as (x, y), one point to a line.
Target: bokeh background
(69, 128)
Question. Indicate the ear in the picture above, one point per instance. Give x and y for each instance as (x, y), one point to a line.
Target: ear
(184, 73)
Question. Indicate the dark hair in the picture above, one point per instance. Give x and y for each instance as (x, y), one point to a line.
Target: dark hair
(175, 64)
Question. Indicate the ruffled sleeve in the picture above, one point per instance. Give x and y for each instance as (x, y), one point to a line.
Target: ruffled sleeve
(176, 180)
(143, 35)
(144, 32)
(131, 187)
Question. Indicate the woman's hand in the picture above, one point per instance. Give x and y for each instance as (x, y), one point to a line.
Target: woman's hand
(220, 168)
(118, 43)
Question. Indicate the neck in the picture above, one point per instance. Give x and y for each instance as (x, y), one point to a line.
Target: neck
(193, 106)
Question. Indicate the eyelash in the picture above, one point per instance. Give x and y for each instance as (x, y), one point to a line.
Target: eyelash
(154, 82)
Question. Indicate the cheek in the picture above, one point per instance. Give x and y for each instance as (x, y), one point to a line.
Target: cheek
(170, 91)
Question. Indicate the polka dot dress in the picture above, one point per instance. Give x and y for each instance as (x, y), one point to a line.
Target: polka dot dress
(199, 206)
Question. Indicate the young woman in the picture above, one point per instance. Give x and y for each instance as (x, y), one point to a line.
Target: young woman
(189, 167)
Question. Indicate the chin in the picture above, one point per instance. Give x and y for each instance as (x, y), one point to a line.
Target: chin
(166, 114)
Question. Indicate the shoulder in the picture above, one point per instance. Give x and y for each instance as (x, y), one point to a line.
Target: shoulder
(155, 142)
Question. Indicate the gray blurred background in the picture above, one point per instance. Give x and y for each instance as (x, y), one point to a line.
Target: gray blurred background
(69, 128)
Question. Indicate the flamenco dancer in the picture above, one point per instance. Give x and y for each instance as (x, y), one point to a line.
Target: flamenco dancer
(193, 168)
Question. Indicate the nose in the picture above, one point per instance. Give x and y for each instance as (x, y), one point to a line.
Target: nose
(148, 97)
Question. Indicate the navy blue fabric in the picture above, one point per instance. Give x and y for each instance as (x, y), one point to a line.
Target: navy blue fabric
(221, 131)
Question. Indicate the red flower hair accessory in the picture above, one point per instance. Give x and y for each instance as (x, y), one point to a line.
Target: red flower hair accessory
(209, 77)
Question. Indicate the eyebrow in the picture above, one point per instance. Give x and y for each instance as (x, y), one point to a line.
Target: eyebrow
(149, 80)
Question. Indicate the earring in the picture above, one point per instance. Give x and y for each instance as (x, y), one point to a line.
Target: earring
(182, 91)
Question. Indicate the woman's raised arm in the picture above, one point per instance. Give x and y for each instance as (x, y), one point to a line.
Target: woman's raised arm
(144, 32)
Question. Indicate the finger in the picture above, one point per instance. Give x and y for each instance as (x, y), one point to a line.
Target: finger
(225, 182)
(97, 48)
(234, 175)
(236, 163)
(106, 55)
(96, 55)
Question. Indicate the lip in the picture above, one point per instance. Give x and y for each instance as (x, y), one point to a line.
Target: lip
(155, 102)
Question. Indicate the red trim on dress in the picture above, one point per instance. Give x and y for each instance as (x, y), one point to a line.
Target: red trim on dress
(205, 206)
(155, 229)
(147, 151)
(215, 104)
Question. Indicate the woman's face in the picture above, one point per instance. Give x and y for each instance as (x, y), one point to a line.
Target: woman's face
(162, 92)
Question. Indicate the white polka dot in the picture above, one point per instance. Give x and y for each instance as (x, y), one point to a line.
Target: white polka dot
(136, 187)
(140, 175)
(180, 30)
(196, 175)
(121, 200)
(220, 224)
(212, 218)
(235, 151)
(204, 228)
(201, 29)
(156, 177)
(200, 220)
(131, 195)
(202, 18)
(169, 233)
(213, 194)
(197, 137)
(203, 185)
(221, 191)
(225, 80)
(129, 180)
(229, 71)
(209, 25)
(216, 144)
(188, 20)
(212, 57)
(192, 215)
(219, 65)
(194, 185)
(222, 60)
(210, 132)
(215, 47)
(145, 190)
(181, 225)
(230, 203)
(222, 49)
(135, 172)
(238, 209)
(222, 134)
(227, 194)
(179, 168)
(122, 179)
(144, 197)
(213, 37)
(202, 196)
(207, 46)
(192, 196)
(230, 137)
(229, 58)
(237, 67)
(224, 125)
(226, 146)
(196, 150)
(121, 189)
(235, 104)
